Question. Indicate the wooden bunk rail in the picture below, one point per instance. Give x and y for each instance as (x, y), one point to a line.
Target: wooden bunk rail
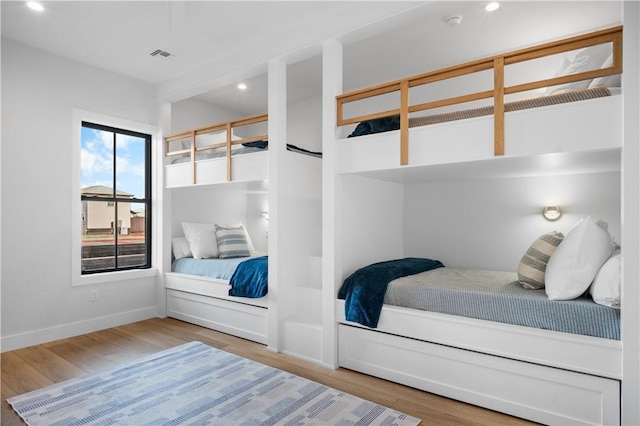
(180, 152)
(373, 116)
(609, 35)
(212, 146)
(452, 101)
(250, 120)
(496, 63)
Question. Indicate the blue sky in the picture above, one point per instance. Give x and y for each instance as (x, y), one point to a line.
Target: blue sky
(96, 159)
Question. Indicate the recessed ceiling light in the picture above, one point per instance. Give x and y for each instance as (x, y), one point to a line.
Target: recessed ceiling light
(242, 86)
(494, 5)
(34, 5)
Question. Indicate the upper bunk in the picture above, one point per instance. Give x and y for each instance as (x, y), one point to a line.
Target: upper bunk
(502, 106)
(217, 153)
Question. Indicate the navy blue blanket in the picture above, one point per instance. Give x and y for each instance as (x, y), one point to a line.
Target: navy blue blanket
(363, 291)
(250, 278)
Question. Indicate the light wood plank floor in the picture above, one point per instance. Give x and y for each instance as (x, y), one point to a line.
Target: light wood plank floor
(34, 367)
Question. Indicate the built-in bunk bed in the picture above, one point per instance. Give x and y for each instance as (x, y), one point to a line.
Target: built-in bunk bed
(446, 329)
(218, 279)
(218, 176)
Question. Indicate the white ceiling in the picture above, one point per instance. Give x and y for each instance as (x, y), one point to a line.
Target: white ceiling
(216, 43)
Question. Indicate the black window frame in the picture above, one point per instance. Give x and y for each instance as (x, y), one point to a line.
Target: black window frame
(115, 199)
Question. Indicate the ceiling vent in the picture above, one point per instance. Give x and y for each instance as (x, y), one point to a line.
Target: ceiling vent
(161, 53)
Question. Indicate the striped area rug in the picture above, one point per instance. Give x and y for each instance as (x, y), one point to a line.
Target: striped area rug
(195, 384)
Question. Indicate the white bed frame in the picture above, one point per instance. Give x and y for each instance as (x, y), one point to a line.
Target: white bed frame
(540, 375)
(205, 301)
(544, 376)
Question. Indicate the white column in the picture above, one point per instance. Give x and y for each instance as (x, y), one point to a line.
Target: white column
(331, 270)
(277, 86)
(631, 215)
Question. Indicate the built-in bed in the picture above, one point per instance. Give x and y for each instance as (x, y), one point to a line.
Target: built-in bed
(527, 368)
(198, 289)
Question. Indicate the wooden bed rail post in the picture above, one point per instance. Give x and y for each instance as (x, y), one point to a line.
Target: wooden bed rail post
(192, 137)
(229, 174)
(498, 106)
(404, 123)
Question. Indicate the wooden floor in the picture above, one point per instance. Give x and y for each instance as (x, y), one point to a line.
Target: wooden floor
(34, 367)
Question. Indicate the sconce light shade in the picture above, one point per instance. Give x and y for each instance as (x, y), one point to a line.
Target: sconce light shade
(265, 214)
(552, 213)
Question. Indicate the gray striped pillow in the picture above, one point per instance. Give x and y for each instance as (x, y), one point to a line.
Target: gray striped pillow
(534, 262)
(232, 242)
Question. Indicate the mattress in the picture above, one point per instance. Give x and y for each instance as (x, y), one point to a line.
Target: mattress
(221, 269)
(540, 101)
(497, 296)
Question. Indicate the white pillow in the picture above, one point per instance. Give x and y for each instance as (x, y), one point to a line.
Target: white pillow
(577, 259)
(605, 289)
(587, 59)
(609, 80)
(560, 71)
(180, 247)
(202, 239)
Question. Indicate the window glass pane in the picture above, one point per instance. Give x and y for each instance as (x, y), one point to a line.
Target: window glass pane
(115, 176)
(132, 247)
(96, 162)
(98, 238)
(130, 166)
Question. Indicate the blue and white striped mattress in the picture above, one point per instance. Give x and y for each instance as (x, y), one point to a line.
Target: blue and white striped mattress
(497, 296)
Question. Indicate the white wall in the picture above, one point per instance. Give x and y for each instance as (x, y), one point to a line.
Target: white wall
(39, 92)
(490, 223)
(192, 113)
(223, 204)
(372, 222)
(304, 124)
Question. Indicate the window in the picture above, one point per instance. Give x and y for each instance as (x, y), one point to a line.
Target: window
(115, 195)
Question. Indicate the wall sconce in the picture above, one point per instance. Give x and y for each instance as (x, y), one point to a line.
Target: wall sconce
(552, 213)
(265, 214)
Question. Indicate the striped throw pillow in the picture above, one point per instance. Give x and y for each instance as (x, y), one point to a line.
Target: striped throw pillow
(534, 262)
(232, 242)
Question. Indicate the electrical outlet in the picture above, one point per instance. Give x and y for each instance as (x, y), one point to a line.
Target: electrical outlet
(94, 295)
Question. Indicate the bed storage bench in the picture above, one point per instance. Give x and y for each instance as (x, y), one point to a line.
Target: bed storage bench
(524, 389)
(205, 301)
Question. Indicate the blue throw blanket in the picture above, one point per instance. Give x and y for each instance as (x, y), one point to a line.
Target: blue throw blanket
(251, 278)
(363, 291)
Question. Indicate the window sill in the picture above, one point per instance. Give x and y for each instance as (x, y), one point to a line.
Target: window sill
(114, 276)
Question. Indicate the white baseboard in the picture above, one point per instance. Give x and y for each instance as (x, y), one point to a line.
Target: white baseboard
(44, 335)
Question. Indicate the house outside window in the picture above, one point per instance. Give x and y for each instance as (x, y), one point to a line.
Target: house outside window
(115, 179)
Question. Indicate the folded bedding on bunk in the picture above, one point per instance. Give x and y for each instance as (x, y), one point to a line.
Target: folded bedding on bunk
(245, 148)
(364, 290)
(392, 123)
(497, 296)
(250, 278)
